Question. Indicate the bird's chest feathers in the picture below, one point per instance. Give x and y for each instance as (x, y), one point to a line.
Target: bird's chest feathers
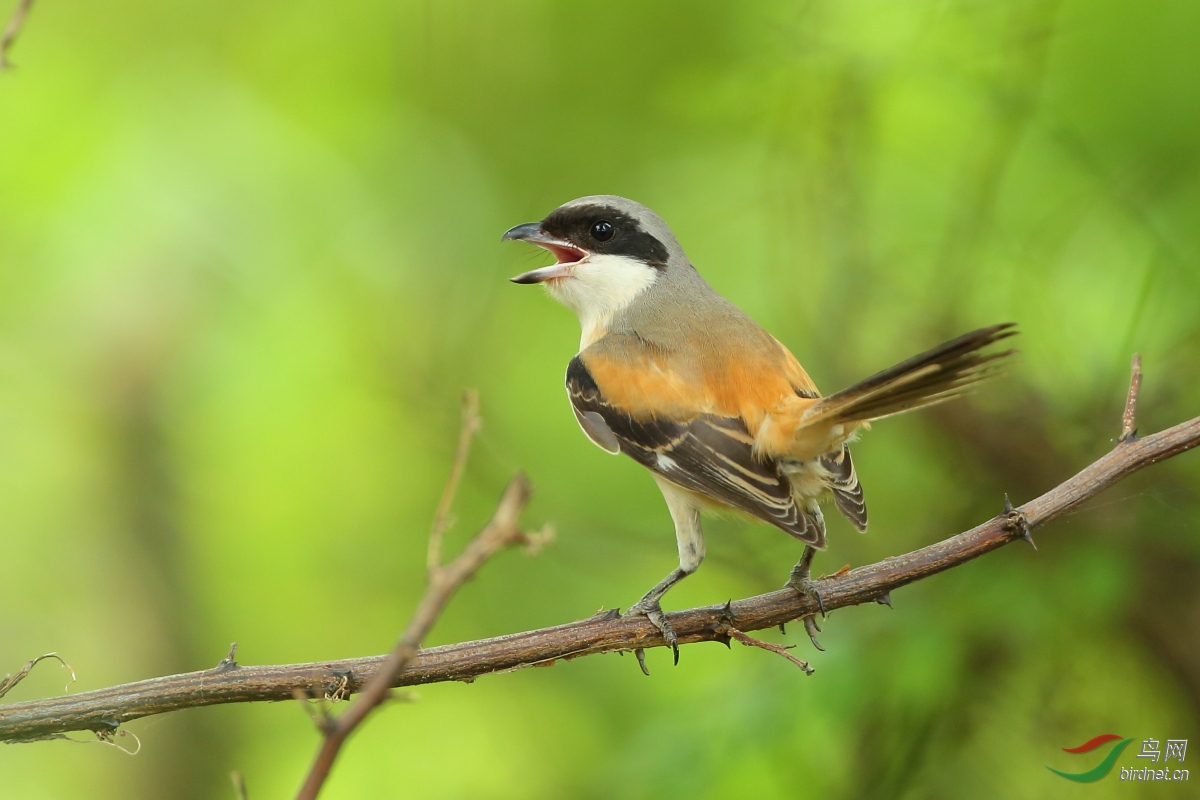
(648, 383)
(600, 287)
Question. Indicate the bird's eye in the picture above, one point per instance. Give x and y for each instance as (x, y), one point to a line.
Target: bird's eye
(602, 231)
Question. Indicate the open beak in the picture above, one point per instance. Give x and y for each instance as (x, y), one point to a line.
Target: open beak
(567, 254)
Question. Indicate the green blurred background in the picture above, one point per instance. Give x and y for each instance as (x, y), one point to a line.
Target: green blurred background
(249, 258)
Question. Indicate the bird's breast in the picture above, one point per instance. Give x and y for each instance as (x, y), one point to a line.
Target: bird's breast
(648, 382)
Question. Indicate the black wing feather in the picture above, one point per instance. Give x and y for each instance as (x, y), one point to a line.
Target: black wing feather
(847, 492)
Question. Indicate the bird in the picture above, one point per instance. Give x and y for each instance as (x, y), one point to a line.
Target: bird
(678, 378)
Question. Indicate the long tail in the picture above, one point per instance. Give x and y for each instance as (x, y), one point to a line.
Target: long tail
(934, 376)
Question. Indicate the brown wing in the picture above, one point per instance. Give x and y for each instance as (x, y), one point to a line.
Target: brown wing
(709, 454)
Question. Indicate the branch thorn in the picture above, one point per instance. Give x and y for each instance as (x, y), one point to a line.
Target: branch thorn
(725, 622)
(1016, 521)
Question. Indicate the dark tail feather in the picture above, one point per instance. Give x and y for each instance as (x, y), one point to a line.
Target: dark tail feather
(847, 491)
(936, 375)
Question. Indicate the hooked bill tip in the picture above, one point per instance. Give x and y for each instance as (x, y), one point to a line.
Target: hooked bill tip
(528, 230)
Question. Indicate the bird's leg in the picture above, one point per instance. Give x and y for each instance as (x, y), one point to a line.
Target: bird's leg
(690, 538)
(801, 580)
(650, 608)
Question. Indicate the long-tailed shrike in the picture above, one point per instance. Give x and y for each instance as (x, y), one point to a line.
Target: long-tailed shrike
(681, 380)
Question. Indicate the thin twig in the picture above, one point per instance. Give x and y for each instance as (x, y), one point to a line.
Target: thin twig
(239, 785)
(503, 530)
(1129, 418)
(778, 649)
(471, 423)
(15, 22)
(10, 681)
(605, 632)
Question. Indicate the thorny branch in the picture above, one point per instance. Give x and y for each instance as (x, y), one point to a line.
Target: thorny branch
(15, 22)
(606, 632)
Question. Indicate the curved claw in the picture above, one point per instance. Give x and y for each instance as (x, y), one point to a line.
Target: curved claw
(668, 633)
(807, 587)
(640, 654)
(812, 629)
(801, 579)
(804, 585)
(658, 619)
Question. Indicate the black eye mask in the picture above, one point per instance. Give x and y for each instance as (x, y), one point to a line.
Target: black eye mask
(601, 229)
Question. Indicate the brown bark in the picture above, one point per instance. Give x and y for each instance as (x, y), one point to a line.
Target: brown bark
(105, 709)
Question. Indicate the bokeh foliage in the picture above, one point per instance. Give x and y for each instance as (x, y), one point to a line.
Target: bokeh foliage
(249, 257)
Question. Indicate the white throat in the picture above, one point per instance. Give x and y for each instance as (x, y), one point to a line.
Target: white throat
(598, 287)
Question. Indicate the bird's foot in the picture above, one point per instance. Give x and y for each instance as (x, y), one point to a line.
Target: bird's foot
(801, 581)
(651, 610)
